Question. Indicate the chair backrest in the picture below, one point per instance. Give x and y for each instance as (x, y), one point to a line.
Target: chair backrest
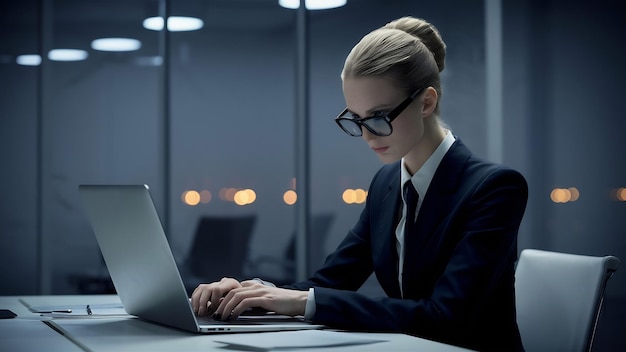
(320, 224)
(282, 271)
(559, 297)
(220, 246)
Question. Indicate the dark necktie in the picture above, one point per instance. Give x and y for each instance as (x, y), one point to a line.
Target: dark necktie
(410, 197)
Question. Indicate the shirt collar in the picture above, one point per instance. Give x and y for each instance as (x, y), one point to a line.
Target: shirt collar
(423, 176)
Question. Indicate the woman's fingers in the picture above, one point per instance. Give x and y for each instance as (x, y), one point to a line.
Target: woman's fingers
(203, 300)
(237, 301)
(281, 301)
(206, 298)
(245, 303)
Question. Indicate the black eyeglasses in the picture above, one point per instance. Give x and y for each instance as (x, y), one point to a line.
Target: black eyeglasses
(379, 125)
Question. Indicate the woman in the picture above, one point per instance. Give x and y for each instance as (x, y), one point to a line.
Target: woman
(439, 228)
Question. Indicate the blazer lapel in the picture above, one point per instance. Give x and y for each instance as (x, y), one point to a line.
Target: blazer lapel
(437, 200)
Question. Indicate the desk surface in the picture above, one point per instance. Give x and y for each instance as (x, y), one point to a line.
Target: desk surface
(28, 332)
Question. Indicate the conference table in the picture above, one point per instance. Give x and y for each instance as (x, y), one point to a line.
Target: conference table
(33, 332)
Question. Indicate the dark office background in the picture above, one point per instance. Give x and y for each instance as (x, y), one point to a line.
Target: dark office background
(217, 108)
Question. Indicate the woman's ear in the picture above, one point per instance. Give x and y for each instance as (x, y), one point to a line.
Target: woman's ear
(429, 101)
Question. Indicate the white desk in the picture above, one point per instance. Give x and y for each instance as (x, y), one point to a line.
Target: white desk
(27, 333)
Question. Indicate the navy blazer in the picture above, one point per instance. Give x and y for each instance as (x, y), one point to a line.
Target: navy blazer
(459, 264)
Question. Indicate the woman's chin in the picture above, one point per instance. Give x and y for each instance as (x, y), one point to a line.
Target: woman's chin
(388, 158)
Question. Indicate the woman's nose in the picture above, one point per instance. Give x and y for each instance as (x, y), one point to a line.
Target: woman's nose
(366, 134)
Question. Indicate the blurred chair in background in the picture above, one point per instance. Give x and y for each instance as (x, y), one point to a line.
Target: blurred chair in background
(559, 298)
(96, 282)
(282, 271)
(219, 249)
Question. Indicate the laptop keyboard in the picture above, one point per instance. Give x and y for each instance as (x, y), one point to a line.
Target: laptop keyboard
(249, 320)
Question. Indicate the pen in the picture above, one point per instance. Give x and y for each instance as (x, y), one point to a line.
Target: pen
(55, 311)
(44, 310)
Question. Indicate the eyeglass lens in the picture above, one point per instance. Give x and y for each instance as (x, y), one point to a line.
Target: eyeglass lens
(378, 126)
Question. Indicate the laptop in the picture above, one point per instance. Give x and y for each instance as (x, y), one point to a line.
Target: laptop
(142, 267)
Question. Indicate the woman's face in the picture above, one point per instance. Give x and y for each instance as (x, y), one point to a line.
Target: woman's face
(366, 97)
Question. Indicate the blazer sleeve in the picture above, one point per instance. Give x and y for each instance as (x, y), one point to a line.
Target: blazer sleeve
(482, 228)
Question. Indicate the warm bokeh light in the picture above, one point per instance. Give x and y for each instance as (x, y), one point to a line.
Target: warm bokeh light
(560, 195)
(361, 195)
(354, 196)
(564, 195)
(574, 194)
(238, 196)
(349, 196)
(205, 196)
(241, 198)
(251, 195)
(229, 195)
(290, 197)
(621, 194)
(244, 197)
(191, 197)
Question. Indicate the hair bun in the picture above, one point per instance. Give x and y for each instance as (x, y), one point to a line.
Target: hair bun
(426, 33)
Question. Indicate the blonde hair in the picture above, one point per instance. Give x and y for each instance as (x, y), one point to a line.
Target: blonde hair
(408, 51)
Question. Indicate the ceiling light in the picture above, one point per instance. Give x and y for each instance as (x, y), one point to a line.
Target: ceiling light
(116, 44)
(67, 55)
(28, 60)
(174, 23)
(312, 4)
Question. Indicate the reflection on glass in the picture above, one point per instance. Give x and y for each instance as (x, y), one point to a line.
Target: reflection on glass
(116, 44)
(67, 55)
(28, 60)
(174, 23)
(312, 4)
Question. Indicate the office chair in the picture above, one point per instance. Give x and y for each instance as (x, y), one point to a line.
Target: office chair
(219, 249)
(282, 271)
(559, 297)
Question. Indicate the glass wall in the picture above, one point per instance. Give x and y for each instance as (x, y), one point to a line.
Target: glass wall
(232, 138)
(18, 132)
(100, 124)
(205, 117)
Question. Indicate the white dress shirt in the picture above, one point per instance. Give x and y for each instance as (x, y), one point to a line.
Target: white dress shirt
(421, 180)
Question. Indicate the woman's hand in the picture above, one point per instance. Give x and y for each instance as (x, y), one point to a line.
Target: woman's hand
(253, 294)
(206, 297)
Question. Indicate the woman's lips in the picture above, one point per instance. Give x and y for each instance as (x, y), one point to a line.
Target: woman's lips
(380, 149)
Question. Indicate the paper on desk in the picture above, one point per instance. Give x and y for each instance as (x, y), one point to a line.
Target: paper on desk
(267, 341)
(96, 312)
(72, 307)
(103, 310)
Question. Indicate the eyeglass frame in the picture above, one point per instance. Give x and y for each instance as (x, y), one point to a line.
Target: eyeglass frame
(388, 118)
